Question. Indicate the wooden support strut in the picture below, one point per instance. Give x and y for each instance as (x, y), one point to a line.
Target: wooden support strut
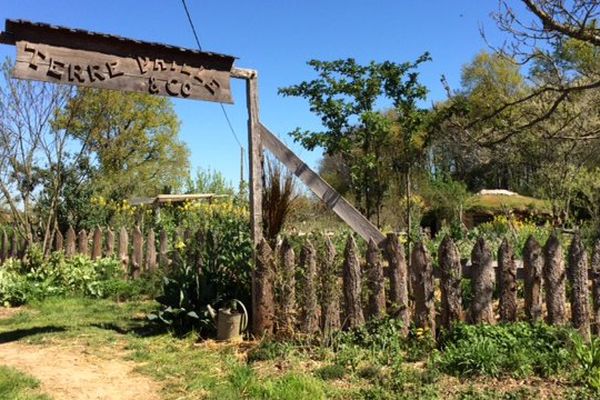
(259, 135)
(334, 201)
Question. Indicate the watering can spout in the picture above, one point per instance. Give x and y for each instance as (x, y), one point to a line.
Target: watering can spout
(212, 312)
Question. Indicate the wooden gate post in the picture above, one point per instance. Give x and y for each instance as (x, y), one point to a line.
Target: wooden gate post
(255, 166)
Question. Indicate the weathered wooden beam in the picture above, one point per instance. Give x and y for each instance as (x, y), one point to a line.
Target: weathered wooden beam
(321, 188)
(255, 155)
(242, 73)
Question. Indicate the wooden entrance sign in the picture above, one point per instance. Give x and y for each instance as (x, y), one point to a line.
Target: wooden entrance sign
(61, 55)
(77, 57)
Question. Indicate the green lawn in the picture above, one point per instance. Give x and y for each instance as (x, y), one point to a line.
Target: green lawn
(376, 367)
(17, 386)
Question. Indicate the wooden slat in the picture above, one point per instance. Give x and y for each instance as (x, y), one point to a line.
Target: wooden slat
(321, 188)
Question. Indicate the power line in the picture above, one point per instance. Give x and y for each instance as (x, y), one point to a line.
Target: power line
(230, 126)
(187, 12)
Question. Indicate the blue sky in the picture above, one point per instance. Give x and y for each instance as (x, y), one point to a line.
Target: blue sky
(277, 38)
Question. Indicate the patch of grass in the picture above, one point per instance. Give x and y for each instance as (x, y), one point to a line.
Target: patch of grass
(491, 202)
(471, 393)
(15, 385)
(517, 350)
(331, 372)
(269, 350)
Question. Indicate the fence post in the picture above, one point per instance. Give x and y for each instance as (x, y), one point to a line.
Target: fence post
(375, 282)
(309, 320)
(70, 242)
(97, 244)
(595, 267)
(137, 253)
(398, 275)
(421, 272)
(58, 241)
(151, 251)
(124, 249)
(554, 281)
(163, 250)
(110, 243)
(288, 298)
(482, 282)
(533, 262)
(352, 285)
(330, 304)
(578, 277)
(450, 283)
(82, 243)
(263, 302)
(507, 269)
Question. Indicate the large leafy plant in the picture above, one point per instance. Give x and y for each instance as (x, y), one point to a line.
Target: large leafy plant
(210, 268)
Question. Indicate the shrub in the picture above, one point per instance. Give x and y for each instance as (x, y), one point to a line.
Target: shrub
(38, 278)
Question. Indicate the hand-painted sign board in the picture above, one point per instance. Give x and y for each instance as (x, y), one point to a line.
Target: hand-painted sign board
(61, 55)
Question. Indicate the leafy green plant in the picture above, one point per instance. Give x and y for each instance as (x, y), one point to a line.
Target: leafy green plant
(213, 268)
(587, 356)
(37, 277)
(517, 349)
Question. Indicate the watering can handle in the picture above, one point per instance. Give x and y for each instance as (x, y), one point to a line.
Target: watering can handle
(244, 322)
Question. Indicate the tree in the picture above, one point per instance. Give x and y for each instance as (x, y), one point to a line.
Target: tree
(344, 96)
(131, 138)
(402, 86)
(539, 41)
(33, 153)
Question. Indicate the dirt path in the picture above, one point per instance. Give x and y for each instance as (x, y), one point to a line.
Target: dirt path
(68, 373)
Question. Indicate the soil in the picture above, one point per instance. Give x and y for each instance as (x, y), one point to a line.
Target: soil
(70, 373)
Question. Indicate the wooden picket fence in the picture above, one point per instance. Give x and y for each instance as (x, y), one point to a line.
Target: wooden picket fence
(343, 291)
(137, 252)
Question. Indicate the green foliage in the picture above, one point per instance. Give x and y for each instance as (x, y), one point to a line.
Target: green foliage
(587, 356)
(209, 181)
(490, 394)
(446, 199)
(15, 385)
(37, 277)
(133, 137)
(517, 349)
(331, 372)
(344, 96)
(269, 350)
(210, 270)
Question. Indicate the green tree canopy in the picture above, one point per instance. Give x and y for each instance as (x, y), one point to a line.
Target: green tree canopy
(132, 137)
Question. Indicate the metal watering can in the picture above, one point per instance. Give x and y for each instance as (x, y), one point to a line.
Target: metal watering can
(230, 322)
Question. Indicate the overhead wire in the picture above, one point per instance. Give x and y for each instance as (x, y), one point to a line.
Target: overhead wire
(189, 17)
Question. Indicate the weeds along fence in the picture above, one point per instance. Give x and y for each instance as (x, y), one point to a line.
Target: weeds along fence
(137, 252)
(322, 291)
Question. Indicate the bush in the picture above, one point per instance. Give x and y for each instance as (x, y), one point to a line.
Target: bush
(517, 349)
(38, 278)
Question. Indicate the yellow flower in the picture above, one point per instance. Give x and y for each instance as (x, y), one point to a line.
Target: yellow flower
(180, 245)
